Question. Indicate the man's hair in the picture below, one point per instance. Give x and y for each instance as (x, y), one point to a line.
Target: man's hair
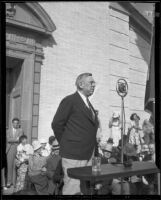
(15, 119)
(51, 139)
(22, 137)
(79, 79)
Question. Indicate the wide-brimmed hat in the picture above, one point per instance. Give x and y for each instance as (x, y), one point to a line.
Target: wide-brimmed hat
(116, 114)
(36, 145)
(132, 116)
(129, 150)
(43, 141)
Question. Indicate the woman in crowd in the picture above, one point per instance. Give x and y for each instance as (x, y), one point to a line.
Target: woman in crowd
(22, 156)
(44, 150)
(37, 170)
(115, 128)
(135, 133)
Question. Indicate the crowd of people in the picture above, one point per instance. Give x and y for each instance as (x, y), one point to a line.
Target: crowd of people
(36, 168)
(138, 145)
(41, 168)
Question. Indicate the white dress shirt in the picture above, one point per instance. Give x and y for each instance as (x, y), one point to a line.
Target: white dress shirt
(84, 98)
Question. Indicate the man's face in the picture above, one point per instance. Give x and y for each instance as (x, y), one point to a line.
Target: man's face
(88, 86)
(15, 124)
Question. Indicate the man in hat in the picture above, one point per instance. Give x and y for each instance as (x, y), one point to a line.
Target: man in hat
(53, 162)
(115, 128)
(75, 127)
(136, 133)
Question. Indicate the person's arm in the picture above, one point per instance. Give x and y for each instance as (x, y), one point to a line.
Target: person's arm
(11, 139)
(61, 117)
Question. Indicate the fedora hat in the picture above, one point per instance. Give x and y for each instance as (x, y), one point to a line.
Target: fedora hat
(36, 145)
(129, 150)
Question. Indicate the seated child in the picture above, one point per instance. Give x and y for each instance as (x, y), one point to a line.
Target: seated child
(37, 170)
(21, 160)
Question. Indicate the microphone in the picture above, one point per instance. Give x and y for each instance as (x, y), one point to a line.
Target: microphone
(122, 87)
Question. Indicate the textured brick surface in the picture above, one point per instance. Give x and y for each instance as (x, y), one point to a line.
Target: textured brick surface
(92, 38)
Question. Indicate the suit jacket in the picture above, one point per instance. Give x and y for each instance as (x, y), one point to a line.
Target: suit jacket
(13, 140)
(74, 128)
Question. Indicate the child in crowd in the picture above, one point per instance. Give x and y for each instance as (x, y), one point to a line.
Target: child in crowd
(44, 150)
(37, 169)
(115, 128)
(22, 157)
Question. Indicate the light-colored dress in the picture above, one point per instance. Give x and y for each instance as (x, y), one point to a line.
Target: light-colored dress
(22, 167)
(115, 133)
(136, 138)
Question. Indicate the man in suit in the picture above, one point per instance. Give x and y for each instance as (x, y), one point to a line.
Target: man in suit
(13, 135)
(75, 126)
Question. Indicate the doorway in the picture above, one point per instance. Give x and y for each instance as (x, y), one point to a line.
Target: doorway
(14, 83)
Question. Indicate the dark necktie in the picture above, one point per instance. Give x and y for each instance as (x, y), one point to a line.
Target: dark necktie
(91, 109)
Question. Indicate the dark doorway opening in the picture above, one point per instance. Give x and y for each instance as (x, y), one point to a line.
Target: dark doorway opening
(14, 73)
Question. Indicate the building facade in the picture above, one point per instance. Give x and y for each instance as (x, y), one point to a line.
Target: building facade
(50, 43)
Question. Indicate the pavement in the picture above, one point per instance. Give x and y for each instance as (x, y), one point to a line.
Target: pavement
(9, 191)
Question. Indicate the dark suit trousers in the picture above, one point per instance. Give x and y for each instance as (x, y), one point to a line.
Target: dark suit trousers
(11, 167)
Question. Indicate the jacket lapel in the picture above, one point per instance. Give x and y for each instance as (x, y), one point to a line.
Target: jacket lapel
(83, 107)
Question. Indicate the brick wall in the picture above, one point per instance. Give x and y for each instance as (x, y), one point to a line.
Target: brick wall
(92, 38)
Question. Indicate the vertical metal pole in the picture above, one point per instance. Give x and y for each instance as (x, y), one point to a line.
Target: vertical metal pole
(122, 128)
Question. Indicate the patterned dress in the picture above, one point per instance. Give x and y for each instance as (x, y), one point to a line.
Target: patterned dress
(22, 168)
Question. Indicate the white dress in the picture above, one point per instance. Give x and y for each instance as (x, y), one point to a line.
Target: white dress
(115, 133)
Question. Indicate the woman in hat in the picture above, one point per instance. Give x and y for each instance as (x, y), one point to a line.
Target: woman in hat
(44, 150)
(135, 133)
(115, 128)
(37, 169)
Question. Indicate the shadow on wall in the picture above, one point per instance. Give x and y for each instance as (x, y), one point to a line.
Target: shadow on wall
(49, 42)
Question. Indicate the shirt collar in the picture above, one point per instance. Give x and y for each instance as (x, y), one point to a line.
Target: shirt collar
(83, 97)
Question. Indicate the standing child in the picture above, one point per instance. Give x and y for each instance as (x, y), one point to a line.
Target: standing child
(21, 163)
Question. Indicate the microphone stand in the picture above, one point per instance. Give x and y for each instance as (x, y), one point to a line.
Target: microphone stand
(122, 95)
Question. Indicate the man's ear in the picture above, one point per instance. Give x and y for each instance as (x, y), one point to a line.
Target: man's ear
(81, 84)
